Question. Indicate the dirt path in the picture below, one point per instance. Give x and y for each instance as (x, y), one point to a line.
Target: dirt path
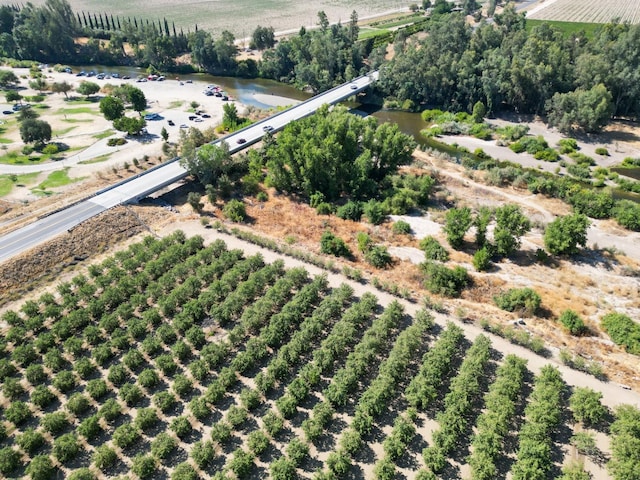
(613, 394)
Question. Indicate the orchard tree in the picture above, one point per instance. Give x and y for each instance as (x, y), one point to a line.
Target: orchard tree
(586, 406)
(565, 234)
(35, 131)
(111, 107)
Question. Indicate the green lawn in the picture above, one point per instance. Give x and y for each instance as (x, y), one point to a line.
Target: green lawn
(567, 28)
(62, 131)
(77, 110)
(55, 179)
(99, 159)
(16, 157)
(105, 134)
(7, 183)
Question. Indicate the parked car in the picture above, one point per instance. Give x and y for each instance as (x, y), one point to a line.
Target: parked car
(192, 117)
(183, 126)
(206, 115)
(152, 116)
(7, 112)
(170, 122)
(198, 119)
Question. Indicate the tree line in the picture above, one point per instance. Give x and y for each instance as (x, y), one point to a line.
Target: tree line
(574, 79)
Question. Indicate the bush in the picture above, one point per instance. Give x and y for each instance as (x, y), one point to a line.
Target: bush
(115, 142)
(97, 388)
(433, 250)
(50, 149)
(572, 322)
(443, 280)
(602, 151)
(548, 155)
(523, 300)
(17, 412)
(627, 214)
(482, 259)
(235, 211)
(148, 378)
(332, 245)
(203, 454)
(82, 474)
(375, 212)
(401, 228)
(78, 404)
(350, 211)
(241, 463)
(146, 418)
(42, 396)
(324, 208)
(623, 331)
(568, 145)
(90, 427)
(378, 256)
(165, 401)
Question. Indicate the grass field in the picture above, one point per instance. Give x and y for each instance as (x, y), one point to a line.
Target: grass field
(241, 18)
(591, 11)
(567, 28)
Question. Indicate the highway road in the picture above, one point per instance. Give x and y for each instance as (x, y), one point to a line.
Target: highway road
(138, 187)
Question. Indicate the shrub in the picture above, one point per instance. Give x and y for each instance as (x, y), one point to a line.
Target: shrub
(602, 151)
(378, 256)
(50, 149)
(12, 388)
(235, 211)
(443, 280)
(117, 374)
(115, 142)
(148, 378)
(110, 410)
(572, 322)
(627, 214)
(375, 212)
(523, 300)
(324, 208)
(482, 259)
(182, 385)
(17, 412)
(548, 155)
(623, 331)
(433, 250)
(42, 396)
(64, 381)
(350, 211)
(568, 145)
(401, 228)
(82, 474)
(131, 394)
(297, 451)
(332, 245)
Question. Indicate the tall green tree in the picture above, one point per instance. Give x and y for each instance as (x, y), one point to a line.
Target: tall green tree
(583, 110)
(35, 131)
(564, 235)
(511, 224)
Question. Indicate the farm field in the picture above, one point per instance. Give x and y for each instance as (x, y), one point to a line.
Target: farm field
(178, 359)
(241, 18)
(590, 11)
